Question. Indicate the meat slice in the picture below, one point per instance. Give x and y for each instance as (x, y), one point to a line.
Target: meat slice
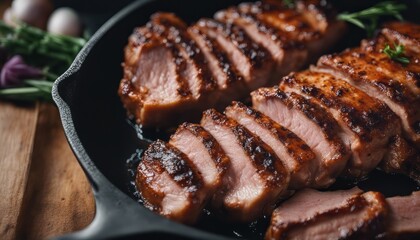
(404, 219)
(405, 33)
(153, 85)
(310, 122)
(174, 71)
(170, 184)
(251, 59)
(367, 122)
(298, 158)
(205, 152)
(312, 23)
(329, 215)
(230, 82)
(382, 78)
(256, 178)
(288, 55)
(197, 74)
(407, 74)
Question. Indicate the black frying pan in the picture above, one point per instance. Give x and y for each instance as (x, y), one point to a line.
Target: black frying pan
(104, 141)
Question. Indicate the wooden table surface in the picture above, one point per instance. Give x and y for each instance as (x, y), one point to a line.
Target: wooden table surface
(44, 191)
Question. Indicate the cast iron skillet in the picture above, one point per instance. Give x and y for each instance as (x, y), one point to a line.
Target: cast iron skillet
(102, 139)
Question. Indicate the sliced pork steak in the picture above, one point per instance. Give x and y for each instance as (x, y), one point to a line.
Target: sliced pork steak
(174, 71)
(405, 33)
(250, 58)
(312, 123)
(231, 83)
(382, 78)
(312, 23)
(198, 75)
(153, 83)
(205, 152)
(329, 215)
(404, 219)
(367, 122)
(291, 150)
(170, 184)
(288, 55)
(256, 178)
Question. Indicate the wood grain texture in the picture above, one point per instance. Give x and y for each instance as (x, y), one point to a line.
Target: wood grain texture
(17, 131)
(58, 197)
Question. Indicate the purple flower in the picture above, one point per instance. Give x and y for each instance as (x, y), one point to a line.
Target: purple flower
(15, 71)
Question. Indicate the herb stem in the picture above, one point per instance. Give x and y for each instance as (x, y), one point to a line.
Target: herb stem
(368, 19)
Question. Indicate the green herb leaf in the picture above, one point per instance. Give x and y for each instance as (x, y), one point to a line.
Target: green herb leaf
(289, 3)
(368, 19)
(52, 53)
(26, 94)
(396, 54)
(40, 48)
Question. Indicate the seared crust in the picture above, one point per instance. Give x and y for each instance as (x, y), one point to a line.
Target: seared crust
(269, 167)
(213, 147)
(171, 26)
(311, 110)
(180, 62)
(256, 54)
(263, 28)
(405, 33)
(162, 157)
(135, 97)
(366, 116)
(224, 62)
(371, 122)
(395, 86)
(360, 66)
(292, 24)
(296, 147)
(332, 166)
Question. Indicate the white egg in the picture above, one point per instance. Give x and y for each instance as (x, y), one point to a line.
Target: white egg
(65, 21)
(32, 12)
(9, 18)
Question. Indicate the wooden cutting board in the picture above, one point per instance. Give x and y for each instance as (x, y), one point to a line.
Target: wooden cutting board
(44, 191)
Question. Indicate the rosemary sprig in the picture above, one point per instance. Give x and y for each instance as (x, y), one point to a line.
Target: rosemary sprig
(368, 19)
(51, 53)
(40, 48)
(396, 54)
(289, 3)
(37, 89)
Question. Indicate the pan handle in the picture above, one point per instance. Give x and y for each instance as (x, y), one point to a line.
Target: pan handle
(120, 217)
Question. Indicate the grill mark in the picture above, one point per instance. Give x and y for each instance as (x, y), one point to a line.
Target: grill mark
(354, 64)
(267, 29)
(408, 73)
(303, 28)
(214, 149)
(225, 64)
(193, 51)
(180, 62)
(257, 54)
(295, 146)
(313, 111)
(262, 156)
(361, 120)
(175, 163)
